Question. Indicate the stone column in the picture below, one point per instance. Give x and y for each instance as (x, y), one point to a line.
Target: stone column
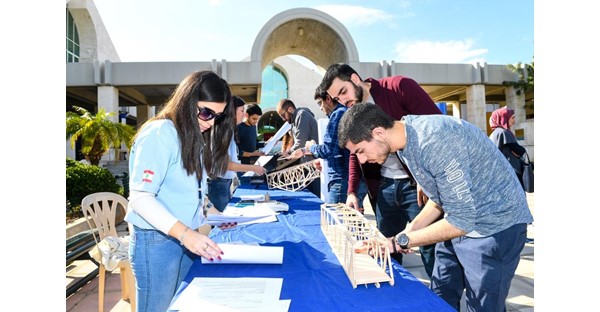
(143, 113)
(476, 106)
(517, 103)
(108, 98)
(455, 109)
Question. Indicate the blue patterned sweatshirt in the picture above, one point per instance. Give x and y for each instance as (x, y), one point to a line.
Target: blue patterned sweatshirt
(460, 169)
(337, 158)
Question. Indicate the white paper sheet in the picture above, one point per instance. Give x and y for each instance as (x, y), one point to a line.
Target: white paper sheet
(273, 140)
(240, 254)
(261, 161)
(232, 294)
(253, 213)
(258, 197)
(274, 205)
(218, 219)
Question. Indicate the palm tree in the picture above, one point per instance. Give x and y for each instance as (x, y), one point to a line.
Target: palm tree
(97, 133)
(525, 83)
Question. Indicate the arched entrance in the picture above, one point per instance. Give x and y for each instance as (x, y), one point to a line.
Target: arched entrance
(306, 32)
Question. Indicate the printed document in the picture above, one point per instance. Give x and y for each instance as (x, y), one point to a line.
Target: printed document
(232, 294)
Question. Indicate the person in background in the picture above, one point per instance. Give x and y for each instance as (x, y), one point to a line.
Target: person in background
(324, 101)
(304, 128)
(287, 141)
(247, 136)
(483, 209)
(326, 104)
(172, 152)
(219, 188)
(501, 121)
(393, 193)
(337, 158)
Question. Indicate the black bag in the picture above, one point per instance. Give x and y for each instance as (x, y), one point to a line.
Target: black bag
(527, 175)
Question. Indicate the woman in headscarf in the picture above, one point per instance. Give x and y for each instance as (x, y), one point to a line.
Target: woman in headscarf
(501, 121)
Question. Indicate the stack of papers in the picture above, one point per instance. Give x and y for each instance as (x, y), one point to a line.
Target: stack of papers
(274, 205)
(218, 219)
(232, 294)
(265, 213)
(258, 197)
(243, 215)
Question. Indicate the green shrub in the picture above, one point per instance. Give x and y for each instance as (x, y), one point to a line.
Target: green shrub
(83, 179)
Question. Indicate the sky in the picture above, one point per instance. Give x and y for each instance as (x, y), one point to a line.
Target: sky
(416, 31)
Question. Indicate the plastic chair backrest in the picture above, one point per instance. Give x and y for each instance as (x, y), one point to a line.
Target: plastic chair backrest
(102, 208)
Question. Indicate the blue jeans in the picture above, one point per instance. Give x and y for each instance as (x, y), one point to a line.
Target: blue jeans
(337, 191)
(219, 192)
(483, 266)
(362, 192)
(159, 265)
(396, 206)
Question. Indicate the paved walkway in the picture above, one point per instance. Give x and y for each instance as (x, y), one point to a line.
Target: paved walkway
(520, 297)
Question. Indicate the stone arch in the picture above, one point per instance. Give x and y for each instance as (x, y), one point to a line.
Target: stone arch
(94, 42)
(306, 32)
(87, 34)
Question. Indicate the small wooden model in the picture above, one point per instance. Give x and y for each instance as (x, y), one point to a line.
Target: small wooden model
(294, 178)
(345, 229)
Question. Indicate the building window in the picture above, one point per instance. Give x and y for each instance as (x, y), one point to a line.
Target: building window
(274, 88)
(72, 40)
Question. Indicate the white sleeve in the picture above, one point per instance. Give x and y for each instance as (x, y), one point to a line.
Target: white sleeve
(148, 207)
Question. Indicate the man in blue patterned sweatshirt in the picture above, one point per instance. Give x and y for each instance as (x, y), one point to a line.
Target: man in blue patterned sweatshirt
(469, 182)
(337, 158)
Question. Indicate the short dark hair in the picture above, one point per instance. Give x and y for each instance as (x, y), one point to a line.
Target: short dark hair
(253, 109)
(339, 70)
(358, 122)
(285, 103)
(320, 93)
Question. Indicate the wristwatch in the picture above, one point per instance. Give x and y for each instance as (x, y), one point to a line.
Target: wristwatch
(402, 240)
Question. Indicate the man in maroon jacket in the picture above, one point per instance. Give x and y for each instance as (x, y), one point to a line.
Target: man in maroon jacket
(390, 186)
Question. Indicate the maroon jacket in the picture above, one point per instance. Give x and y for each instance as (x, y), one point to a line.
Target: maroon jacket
(397, 96)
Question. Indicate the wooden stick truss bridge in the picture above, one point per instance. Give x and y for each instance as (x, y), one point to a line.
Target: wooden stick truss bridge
(345, 229)
(294, 178)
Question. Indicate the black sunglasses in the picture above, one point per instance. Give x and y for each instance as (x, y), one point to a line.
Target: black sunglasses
(207, 114)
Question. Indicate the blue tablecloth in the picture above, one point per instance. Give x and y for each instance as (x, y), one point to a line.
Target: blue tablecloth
(313, 278)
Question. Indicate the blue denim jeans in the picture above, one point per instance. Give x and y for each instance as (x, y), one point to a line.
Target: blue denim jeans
(219, 192)
(396, 206)
(362, 192)
(337, 191)
(483, 266)
(159, 265)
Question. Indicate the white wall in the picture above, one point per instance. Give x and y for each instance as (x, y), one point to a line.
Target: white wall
(302, 82)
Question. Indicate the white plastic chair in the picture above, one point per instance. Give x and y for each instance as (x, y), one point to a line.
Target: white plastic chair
(100, 211)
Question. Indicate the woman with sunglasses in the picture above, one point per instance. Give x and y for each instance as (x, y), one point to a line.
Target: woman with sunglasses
(172, 155)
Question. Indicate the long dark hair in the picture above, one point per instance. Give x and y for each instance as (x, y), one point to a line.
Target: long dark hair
(182, 109)
(237, 102)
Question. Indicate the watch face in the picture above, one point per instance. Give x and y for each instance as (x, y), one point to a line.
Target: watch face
(402, 240)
